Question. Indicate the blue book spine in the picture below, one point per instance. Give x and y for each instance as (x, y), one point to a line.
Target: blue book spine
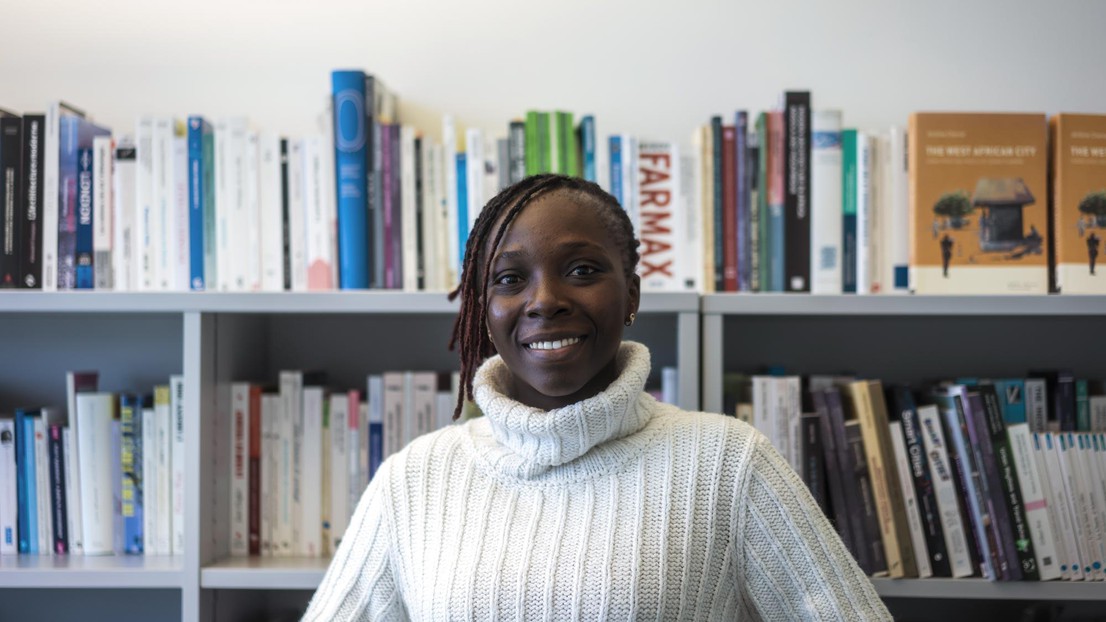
(1011, 394)
(196, 200)
(848, 213)
(777, 246)
(67, 199)
(351, 177)
(130, 422)
(83, 244)
(462, 206)
(587, 142)
(376, 447)
(26, 488)
(615, 148)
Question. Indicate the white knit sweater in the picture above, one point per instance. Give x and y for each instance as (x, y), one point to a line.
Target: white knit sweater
(614, 508)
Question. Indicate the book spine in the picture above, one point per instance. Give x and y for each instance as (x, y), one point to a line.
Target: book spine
(834, 471)
(897, 241)
(742, 183)
(813, 467)
(1070, 525)
(51, 192)
(269, 404)
(424, 211)
(84, 276)
(762, 236)
(196, 199)
(587, 146)
(797, 190)
(615, 146)
(163, 466)
(125, 263)
(409, 213)
(26, 483)
(864, 212)
(67, 203)
(1035, 502)
(254, 464)
(239, 463)
(517, 149)
(921, 480)
(103, 217)
(461, 175)
(9, 494)
(533, 159)
(851, 469)
(144, 243)
(454, 250)
(350, 158)
(11, 195)
(910, 502)
(868, 514)
(42, 485)
(31, 242)
(1011, 494)
(311, 481)
(825, 202)
(944, 486)
(180, 258)
(164, 223)
(1082, 407)
(729, 209)
(130, 424)
(318, 224)
(96, 463)
(718, 155)
(777, 182)
(849, 193)
(58, 506)
(660, 268)
(375, 429)
(151, 485)
(968, 471)
(340, 473)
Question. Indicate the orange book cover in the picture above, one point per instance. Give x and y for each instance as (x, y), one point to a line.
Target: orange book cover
(978, 203)
(1078, 202)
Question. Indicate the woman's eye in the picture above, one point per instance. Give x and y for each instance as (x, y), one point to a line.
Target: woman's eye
(583, 271)
(507, 279)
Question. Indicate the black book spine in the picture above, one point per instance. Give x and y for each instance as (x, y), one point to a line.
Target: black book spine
(716, 155)
(961, 474)
(996, 524)
(31, 243)
(797, 191)
(11, 221)
(741, 181)
(918, 466)
(516, 146)
(420, 216)
(1008, 481)
(59, 507)
(286, 224)
(1064, 396)
(834, 472)
(814, 471)
(873, 540)
(752, 160)
(854, 498)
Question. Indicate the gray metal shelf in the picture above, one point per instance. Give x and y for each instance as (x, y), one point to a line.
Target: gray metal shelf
(885, 305)
(125, 571)
(986, 590)
(265, 573)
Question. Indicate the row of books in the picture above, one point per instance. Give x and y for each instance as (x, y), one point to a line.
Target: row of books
(301, 454)
(794, 200)
(1004, 479)
(105, 476)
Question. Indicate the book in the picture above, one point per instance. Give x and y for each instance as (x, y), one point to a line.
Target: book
(74, 197)
(84, 277)
(910, 502)
(660, 221)
(8, 494)
(350, 157)
(825, 202)
(1078, 217)
(103, 213)
(201, 204)
(797, 226)
(31, 242)
(95, 413)
(238, 443)
(948, 501)
(177, 460)
(11, 195)
(133, 502)
(978, 203)
(26, 480)
(125, 264)
(52, 189)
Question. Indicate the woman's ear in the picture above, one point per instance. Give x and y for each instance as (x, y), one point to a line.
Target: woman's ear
(634, 293)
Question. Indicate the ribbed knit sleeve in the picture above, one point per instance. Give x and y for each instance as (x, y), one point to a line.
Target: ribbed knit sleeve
(792, 564)
(360, 583)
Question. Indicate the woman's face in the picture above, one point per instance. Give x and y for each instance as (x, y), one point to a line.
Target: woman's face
(557, 298)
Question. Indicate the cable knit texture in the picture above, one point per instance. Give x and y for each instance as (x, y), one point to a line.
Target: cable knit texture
(617, 507)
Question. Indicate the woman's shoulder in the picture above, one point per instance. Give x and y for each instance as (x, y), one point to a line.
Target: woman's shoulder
(728, 434)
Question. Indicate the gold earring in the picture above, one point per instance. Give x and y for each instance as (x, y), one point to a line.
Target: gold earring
(630, 321)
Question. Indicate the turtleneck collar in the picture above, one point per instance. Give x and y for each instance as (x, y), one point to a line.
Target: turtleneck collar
(529, 441)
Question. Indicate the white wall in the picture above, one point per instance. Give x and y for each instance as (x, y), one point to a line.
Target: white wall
(652, 68)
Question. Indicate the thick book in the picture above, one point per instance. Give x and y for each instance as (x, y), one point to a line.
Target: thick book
(978, 203)
(1078, 202)
(1035, 501)
(729, 209)
(95, 413)
(350, 158)
(867, 400)
(796, 110)
(917, 467)
(11, 195)
(76, 136)
(660, 268)
(30, 256)
(133, 503)
(201, 204)
(26, 480)
(587, 142)
(910, 503)
(825, 202)
(949, 504)
(52, 189)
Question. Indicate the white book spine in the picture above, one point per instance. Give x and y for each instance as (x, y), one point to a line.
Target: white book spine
(602, 163)
(825, 202)
(1036, 404)
(408, 208)
(408, 416)
(239, 469)
(297, 231)
(877, 214)
(1096, 503)
(358, 421)
(948, 504)
(329, 186)
(864, 161)
(181, 249)
(910, 502)
(269, 405)
(76, 543)
(150, 489)
(424, 386)
(660, 226)
(792, 402)
(1034, 501)
(124, 201)
(446, 275)
(238, 242)
(691, 227)
(177, 460)
(163, 221)
(49, 210)
(8, 498)
(489, 178)
(145, 243)
(291, 391)
(271, 218)
(339, 471)
(251, 180)
(629, 181)
(311, 473)
(1063, 515)
(163, 501)
(474, 170)
(449, 164)
(430, 217)
(896, 242)
(42, 482)
(103, 221)
(95, 412)
(1077, 503)
(317, 221)
(393, 412)
(223, 210)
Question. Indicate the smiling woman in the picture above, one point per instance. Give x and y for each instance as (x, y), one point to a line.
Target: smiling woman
(578, 496)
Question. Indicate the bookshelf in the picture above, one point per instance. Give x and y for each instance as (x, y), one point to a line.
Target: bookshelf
(137, 340)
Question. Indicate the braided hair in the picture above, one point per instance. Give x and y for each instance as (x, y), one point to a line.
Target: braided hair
(468, 329)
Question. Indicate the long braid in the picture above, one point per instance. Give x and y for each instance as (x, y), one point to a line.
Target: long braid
(468, 327)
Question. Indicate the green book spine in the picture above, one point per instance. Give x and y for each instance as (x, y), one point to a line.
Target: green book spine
(1082, 407)
(568, 154)
(848, 210)
(533, 158)
(547, 142)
